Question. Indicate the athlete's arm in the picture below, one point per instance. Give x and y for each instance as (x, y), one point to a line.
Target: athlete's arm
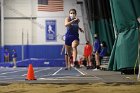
(68, 22)
(81, 30)
(62, 49)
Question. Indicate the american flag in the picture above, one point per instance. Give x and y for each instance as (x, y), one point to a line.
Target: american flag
(50, 5)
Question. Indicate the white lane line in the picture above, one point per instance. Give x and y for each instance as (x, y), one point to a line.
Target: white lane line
(3, 76)
(10, 72)
(79, 71)
(51, 79)
(36, 71)
(57, 71)
(11, 69)
(8, 78)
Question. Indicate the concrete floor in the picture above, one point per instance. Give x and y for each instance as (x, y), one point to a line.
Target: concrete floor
(60, 75)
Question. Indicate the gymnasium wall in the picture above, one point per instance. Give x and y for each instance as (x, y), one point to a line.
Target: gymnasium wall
(25, 29)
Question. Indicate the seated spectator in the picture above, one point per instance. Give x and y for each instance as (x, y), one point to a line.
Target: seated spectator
(103, 51)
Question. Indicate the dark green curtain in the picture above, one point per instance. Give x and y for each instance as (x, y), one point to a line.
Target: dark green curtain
(125, 50)
(99, 18)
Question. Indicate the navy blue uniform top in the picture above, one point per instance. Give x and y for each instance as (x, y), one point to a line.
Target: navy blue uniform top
(72, 33)
(14, 55)
(96, 45)
(6, 53)
(103, 52)
(72, 30)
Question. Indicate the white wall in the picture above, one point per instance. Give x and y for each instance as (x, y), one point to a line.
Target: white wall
(14, 24)
(20, 8)
(13, 31)
(59, 17)
(35, 29)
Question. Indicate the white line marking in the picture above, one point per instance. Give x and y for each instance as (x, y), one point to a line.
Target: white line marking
(10, 72)
(8, 78)
(36, 71)
(51, 79)
(57, 71)
(3, 76)
(79, 71)
(24, 75)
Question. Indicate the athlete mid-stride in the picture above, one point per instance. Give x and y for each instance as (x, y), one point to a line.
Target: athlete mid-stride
(72, 36)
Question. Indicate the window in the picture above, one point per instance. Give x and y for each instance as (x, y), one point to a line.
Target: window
(43, 2)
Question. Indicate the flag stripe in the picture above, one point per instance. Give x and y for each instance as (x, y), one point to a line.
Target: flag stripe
(52, 6)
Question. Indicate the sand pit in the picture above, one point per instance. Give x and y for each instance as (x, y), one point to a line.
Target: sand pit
(70, 88)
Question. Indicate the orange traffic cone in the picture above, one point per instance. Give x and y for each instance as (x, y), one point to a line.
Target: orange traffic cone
(30, 73)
